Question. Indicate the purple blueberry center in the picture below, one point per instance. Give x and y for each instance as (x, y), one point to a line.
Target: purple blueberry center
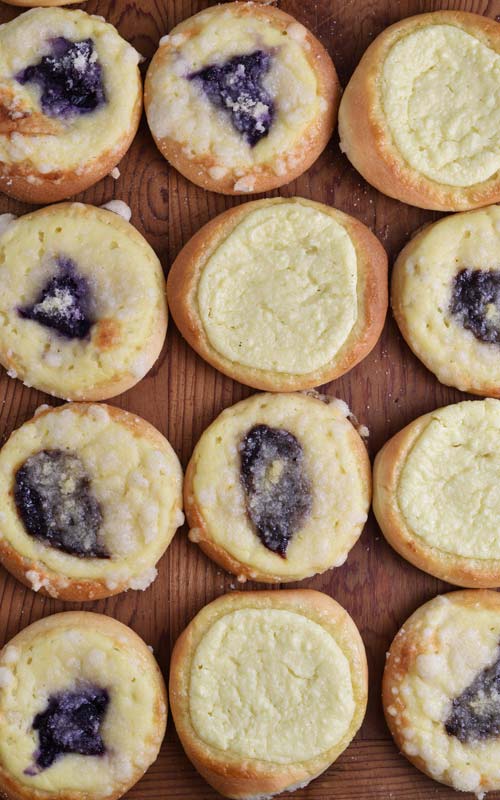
(70, 78)
(53, 496)
(475, 301)
(475, 714)
(277, 490)
(236, 87)
(64, 303)
(71, 724)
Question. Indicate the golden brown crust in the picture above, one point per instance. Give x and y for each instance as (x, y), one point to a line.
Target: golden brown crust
(367, 142)
(19, 181)
(106, 329)
(55, 584)
(185, 273)
(309, 148)
(240, 778)
(221, 556)
(389, 463)
(401, 658)
(11, 789)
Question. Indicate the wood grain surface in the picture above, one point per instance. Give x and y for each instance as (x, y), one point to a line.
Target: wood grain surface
(182, 395)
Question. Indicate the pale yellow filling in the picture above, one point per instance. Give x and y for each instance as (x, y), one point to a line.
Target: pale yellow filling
(440, 92)
(127, 287)
(456, 643)
(339, 490)
(280, 292)
(137, 483)
(83, 138)
(461, 241)
(60, 660)
(272, 685)
(449, 486)
(178, 109)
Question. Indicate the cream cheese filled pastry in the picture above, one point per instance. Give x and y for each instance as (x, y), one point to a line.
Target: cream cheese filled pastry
(420, 117)
(267, 689)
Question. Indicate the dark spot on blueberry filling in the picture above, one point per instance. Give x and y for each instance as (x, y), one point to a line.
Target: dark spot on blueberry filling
(54, 499)
(236, 87)
(278, 494)
(70, 78)
(475, 714)
(64, 303)
(475, 300)
(71, 724)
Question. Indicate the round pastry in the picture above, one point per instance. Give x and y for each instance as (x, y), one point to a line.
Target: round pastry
(90, 498)
(420, 117)
(83, 305)
(446, 299)
(83, 709)
(281, 294)
(241, 98)
(70, 103)
(441, 690)
(278, 487)
(267, 689)
(436, 494)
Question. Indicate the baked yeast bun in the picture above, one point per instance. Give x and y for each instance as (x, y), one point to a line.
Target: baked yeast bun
(83, 709)
(278, 487)
(446, 299)
(420, 118)
(436, 494)
(90, 498)
(70, 103)
(440, 690)
(281, 294)
(83, 301)
(241, 98)
(267, 689)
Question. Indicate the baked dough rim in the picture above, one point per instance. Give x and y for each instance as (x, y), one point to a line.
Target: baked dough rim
(246, 778)
(366, 140)
(185, 273)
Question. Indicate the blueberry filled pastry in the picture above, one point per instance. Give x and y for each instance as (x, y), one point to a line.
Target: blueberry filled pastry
(446, 299)
(278, 487)
(70, 103)
(90, 498)
(441, 690)
(83, 301)
(83, 709)
(241, 98)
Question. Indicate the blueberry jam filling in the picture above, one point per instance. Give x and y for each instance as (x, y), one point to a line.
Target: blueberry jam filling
(475, 714)
(71, 724)
(64, 303)
(475, 301)
(236, 87)
(70, 78)
(277, 491)
(54, 499)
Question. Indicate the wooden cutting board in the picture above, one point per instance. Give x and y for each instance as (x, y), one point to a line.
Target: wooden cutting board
(182, 395)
